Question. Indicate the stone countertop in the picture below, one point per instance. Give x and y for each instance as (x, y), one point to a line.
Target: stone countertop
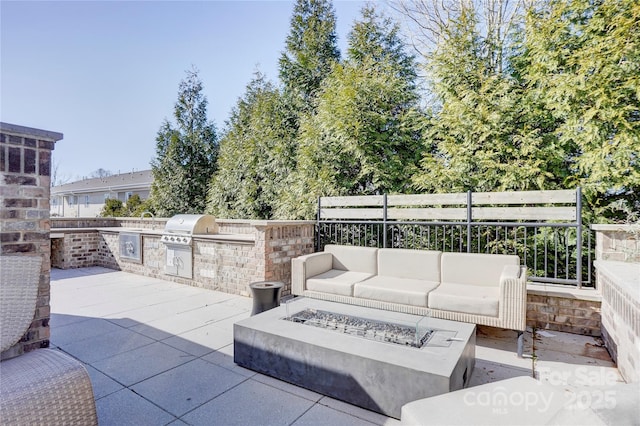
(259, 222)
(59, 231)
(627, 274)
(621, 227)
(119, 229)
(239, 238)
(565, 291)
(236, 238)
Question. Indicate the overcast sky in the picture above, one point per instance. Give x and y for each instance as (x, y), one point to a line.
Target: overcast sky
(106, 74)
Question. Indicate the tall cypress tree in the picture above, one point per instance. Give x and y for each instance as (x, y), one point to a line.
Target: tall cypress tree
(258, 149)
(364, 137)
(376, 38)
(250, 162)
(583, 63)
(186, 154)
(311, 50)
(486, 135)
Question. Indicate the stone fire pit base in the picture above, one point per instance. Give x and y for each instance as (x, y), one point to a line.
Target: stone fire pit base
(376, 375)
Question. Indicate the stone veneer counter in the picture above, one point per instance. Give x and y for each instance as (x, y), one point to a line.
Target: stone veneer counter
(241, 253)
(242, 238)
(379, 376)
(619, 283)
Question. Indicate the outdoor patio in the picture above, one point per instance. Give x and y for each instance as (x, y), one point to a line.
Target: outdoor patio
(162, 353)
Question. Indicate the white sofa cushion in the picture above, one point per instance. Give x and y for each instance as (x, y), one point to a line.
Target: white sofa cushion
(475, 269)
(351, 258)
(469, 299)
(413, 264)
(318, 263)
(336, 281)
(395, 290)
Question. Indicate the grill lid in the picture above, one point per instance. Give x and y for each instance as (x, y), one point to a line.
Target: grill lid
(191, 224)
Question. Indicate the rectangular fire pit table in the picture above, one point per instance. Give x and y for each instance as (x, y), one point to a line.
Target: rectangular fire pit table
(376, 375)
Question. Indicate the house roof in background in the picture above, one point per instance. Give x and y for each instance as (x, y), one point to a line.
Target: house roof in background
(124, 181)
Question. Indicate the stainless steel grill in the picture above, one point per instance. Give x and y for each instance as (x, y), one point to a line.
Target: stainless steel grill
(181, 227)
(178, 239)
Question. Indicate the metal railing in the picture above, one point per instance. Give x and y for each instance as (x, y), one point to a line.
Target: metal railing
(549, 239)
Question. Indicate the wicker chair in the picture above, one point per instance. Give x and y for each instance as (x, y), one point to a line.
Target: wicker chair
(44, 386)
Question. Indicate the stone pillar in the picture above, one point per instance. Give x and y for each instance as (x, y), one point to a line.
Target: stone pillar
(617, 267)
(617, 242)
(281, 241)
(25, 181)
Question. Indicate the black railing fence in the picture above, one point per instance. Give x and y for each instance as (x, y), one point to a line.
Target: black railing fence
(543, 228)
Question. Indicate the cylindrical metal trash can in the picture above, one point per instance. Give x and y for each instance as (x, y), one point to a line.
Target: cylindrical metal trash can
(266, 295)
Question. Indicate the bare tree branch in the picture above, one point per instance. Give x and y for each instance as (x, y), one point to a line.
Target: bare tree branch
(429, 23)
(57, 177)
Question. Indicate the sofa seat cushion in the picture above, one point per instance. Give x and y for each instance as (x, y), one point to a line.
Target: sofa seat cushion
(336, 281)
(395, 290)
(468, 299)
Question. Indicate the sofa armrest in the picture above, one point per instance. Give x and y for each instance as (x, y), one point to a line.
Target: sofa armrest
(513, 297)
(510, 271)
(307, 266)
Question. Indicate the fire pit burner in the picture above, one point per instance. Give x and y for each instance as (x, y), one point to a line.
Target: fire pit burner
(369, 329)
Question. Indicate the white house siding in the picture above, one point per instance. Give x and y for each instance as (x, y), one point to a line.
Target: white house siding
(85, 198)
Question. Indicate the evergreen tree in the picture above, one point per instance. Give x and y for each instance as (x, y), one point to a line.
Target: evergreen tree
(486, 134)
(186, 154)
(364, 137)
(112, 208)
(583, 61)
(253, 156)
(311, 50)
(376, 38)
(258, 150)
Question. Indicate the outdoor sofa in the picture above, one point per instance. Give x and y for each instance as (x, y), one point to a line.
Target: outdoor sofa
(487, 289)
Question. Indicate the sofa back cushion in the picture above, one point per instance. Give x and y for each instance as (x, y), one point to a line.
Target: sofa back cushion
(411, 264)
(352, 258)
(474, 268)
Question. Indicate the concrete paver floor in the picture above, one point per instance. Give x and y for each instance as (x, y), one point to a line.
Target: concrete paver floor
(160, 353)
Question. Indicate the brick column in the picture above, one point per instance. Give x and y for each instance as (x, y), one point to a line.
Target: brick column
(281, 242)
(25, 180)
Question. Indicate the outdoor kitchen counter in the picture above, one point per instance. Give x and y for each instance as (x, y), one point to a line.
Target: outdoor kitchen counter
(237, 254)
(239, 238)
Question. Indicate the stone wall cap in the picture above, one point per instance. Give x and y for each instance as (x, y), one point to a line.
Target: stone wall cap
(567, 292)
(227, 238)
(624, 272)
(71, 230)
(30, 131)
(615, 227)
(266, 222)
